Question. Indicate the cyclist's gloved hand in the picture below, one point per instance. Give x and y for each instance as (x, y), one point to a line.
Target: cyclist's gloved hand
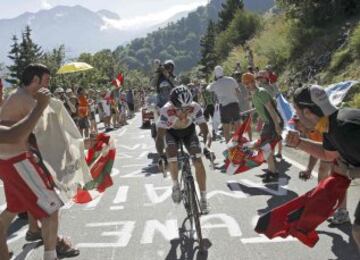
(163, 160)
(206, 152)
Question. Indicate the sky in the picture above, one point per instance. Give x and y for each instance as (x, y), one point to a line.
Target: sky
(126, 9)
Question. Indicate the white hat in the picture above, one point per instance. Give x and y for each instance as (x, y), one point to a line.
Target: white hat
(59, 90)
(219, 71)
(68, 90)
(321, 99)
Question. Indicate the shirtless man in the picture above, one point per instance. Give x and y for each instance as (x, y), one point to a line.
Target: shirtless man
(28, 187)
(15, 134)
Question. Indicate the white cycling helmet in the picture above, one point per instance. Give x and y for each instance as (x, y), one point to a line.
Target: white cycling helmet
(181, 96)
(169, 62)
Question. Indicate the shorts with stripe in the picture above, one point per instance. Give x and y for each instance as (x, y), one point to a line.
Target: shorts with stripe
(357, 215)
(28, 186)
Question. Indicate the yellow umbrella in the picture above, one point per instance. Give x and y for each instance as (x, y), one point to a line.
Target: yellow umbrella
(74, 67)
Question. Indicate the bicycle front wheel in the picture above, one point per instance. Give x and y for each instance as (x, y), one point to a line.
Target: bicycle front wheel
(195, 211)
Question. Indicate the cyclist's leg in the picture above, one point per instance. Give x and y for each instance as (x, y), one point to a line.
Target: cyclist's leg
(171, 154)
(4, 253)
(192, 144)
(356, 226)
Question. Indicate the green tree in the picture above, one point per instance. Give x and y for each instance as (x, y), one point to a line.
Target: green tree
(22, 55)
(241, 28)
(30, 52)
(14, 69)
(208, 57)
(226, 15)
(318, 12)
(53, 60)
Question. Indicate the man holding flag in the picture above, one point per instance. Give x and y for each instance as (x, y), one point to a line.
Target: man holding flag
(341, 133)
(271, 133)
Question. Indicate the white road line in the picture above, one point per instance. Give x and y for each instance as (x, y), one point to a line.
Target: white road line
(116, 207)
(133, 174)
(121, 195)
(17, 235)
(134, 165)
(282, 191)
(264, 239)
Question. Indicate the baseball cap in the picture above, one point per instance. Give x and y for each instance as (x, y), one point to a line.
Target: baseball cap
(314, 95)
(219, 71)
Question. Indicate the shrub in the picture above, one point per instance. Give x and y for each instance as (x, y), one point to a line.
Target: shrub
(340, 59)
(355, 41)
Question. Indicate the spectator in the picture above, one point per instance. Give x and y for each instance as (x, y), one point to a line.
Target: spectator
(341, 134)
(226, 90)
(93, 104)
(244, 100)
(271, 132)
(83, 112)
(130, 102)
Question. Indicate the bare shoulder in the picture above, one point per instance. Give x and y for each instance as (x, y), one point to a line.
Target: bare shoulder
(16, 106)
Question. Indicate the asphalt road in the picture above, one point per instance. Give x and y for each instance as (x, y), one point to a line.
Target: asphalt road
(136, 219)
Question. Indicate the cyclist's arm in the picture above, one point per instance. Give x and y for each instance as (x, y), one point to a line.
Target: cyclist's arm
(160, 141)
(205, 132)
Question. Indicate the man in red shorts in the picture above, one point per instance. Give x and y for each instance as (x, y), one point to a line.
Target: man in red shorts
(28, 185)
(15, 134)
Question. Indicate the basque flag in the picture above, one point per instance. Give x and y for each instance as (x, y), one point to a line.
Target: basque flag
(100, 158)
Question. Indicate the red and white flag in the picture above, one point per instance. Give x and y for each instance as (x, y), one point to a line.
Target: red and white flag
(119, 81)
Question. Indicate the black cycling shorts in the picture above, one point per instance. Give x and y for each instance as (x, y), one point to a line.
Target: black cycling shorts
(357, 215)
(187, 135)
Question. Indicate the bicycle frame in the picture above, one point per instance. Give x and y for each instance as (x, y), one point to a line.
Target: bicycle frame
(190, 198)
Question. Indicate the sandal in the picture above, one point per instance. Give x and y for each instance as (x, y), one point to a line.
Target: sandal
(33, 236)
(65, 249)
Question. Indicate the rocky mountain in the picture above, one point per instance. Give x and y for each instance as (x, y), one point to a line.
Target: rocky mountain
(78, 28)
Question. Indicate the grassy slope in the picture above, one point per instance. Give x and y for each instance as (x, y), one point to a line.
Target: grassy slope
(274, 45)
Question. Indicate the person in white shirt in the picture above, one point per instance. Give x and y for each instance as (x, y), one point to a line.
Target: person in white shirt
(227, 91)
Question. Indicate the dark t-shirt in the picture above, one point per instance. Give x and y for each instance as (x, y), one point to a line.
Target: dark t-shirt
(344, 135)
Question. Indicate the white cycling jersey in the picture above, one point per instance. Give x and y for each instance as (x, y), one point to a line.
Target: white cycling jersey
(168, 118)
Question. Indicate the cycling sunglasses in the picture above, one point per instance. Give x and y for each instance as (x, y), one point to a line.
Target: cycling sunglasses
(183, 109)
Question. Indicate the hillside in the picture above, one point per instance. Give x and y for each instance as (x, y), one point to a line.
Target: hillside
(179, 41)
(329, 53)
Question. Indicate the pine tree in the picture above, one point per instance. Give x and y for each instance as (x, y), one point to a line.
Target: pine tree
(22, 55)
(30, 52)
(14, 55)
(207, 44)
(229, 8)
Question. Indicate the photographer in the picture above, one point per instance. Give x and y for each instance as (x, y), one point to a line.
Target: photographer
(163, 81)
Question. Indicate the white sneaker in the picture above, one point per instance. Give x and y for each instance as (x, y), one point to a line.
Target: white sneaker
(341, 216)
(204, 207)
(176, 194)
